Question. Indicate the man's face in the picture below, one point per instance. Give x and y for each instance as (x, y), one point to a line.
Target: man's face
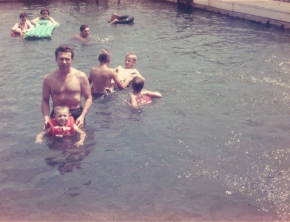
(85, 33)
(23, 19)
(129, 63)
(64, 60)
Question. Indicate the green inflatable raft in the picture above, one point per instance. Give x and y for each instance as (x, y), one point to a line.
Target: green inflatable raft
(42, 31)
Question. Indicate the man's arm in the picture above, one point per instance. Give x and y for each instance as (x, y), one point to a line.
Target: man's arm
(86, 92)
(45, 100)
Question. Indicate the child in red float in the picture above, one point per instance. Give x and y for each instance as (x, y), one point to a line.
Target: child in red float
(62, 125)
(139, 95)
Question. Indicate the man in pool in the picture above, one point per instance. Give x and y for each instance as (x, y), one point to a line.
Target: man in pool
(102, 76)
(66, 86)
(84, 33)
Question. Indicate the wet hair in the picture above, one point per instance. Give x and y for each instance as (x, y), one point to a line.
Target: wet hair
(57, 108)
(131, 56)
(64, 48)
(137, 84)
(23, 15)
(104, 55)
(44, 10)
(83, 27)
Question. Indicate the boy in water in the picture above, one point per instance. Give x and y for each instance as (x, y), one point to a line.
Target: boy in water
(101, 77)
(139, 95)
(22, 26)
(130, 61)
(61, 125)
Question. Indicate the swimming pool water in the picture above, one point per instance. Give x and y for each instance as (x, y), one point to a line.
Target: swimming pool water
(214, 148)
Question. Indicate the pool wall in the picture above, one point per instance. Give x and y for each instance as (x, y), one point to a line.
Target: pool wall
(267, 12)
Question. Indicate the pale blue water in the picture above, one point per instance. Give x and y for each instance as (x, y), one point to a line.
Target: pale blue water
(214, 148)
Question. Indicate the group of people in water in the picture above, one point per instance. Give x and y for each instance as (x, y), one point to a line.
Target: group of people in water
(24, 25)
(66, 86)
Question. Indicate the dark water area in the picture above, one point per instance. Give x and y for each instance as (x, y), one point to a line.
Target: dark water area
(215, 147)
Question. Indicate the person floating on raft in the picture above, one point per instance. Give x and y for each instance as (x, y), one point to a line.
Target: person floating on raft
(21, 27)
(116, 19)
(44, 16)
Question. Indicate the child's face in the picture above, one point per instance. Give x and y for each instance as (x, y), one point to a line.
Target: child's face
(61, 116)
(23, 19)
(129, 63)
(44, 15)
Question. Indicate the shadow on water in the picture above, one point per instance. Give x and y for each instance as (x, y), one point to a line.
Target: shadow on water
(69, 157)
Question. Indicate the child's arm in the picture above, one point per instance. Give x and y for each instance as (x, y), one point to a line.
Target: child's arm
(30, 26)
(53, 21)
(138, 74)
(152, 94)
(39, 137)
(82, 136)
(15, 28)
(90, 76)
(35, 21)
(133, 101)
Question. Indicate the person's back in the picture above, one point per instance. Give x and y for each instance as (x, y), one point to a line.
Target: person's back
(102, 76)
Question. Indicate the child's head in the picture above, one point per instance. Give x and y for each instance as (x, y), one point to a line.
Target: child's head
(44, 11)
(23, 17)
(104, 56)
(137, 84)
(61, 114)
(130, 60)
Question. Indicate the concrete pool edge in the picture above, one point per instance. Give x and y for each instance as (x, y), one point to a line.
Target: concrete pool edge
(268, 12)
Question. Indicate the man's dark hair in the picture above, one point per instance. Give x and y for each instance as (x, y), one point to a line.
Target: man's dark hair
(64, 48)
(83, 27)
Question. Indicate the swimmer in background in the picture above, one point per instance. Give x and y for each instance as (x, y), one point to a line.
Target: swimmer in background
(22, 26)
(114, 19)
(84, 33)
(123, 73)
(44, 16)
(101, 77)
(61, 125)
(141, 96)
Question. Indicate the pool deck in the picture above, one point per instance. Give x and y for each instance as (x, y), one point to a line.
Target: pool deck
(268, 12)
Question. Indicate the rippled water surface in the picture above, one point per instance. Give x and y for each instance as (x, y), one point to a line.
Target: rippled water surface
(214, 148)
